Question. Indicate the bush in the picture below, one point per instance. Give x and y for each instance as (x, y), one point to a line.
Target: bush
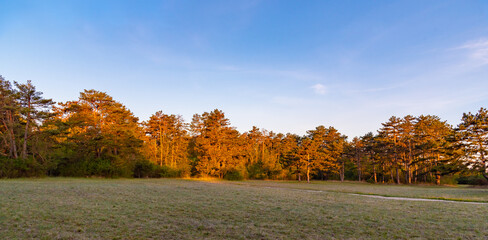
(449, 179)
(144, 169)
(472, 180)
(260, 170)
(168, 172)
(15, 168)
(147, 169)
(370, 180)
(257, 171)
(233, 175)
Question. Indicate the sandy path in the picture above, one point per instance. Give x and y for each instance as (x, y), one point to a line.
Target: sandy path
(416, 199)
(388, 198)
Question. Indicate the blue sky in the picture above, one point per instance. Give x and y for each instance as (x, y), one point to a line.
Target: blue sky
(286, 66)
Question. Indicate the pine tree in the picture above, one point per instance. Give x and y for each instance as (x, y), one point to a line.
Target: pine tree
(407, 134)
(100, 136)
(33, 108)
(216, 144)
(432, 135)
(168, 135)
(391, 133)
(473, 133)
(9, 109)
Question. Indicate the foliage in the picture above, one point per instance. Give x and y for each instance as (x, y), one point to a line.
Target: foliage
(147, 169)
(472, 180)
(96, 135)
(473, 136)
(16, 168)
(233, 175)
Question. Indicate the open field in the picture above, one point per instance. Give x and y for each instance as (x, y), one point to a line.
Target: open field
(458, 193)
(65, 208)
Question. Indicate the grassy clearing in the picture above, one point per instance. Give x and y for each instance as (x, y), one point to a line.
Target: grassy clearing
(188, 209)
(457, 193)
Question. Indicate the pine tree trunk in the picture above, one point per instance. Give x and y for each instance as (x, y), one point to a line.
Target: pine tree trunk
(342, 172)
(155, 151)
(437, 172)
(160, 146)
(483, 169)
(308, 174)
(172, 155)
(398, 175)
(410, 161)
(8, 139)
(26, 132)
(166, 155)
(5, 143)
(382, 173)
(484, 174)
(24, 146)
(416, 174)
(177, 146)
(13, 144)
(308, 168)
(374, 173)
(359, 165)
(391, 175)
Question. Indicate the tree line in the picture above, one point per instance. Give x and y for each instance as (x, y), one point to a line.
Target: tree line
(96, 135)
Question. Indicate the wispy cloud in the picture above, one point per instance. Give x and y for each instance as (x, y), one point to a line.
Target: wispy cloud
(319, 89)
(478, 51)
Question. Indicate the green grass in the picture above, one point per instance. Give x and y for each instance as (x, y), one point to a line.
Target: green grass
(66, 208)
(456, 193)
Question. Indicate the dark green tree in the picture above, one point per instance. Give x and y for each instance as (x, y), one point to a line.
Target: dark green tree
(473, 133)
(33, 108)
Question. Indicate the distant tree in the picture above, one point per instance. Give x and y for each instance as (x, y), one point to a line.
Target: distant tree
(371, 150)
(432, 138)
(407, 135)
(473, 133)
(216, 143)
(100, 136)
(9, 109)
(33, 108)
(322, 150)
(169, 136)
(357, 148)
(289, 154)
(307, 155)
(391, 133)
(334, 148)
(260, 149)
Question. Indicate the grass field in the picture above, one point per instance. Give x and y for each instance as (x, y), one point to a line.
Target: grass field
(66, 208)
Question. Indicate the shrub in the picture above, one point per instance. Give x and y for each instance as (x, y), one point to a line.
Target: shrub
(15, 168)
(449, 179)
(144, 169)
(147, 169)
(370, 180)
(259, 170)
(167, 172)
(256, 171)
(233, 175)
(472, 180)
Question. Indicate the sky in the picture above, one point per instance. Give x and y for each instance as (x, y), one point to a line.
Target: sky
(285, 66)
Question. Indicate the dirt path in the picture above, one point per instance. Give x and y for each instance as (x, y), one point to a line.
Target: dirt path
(416, 199)
(383, 197)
